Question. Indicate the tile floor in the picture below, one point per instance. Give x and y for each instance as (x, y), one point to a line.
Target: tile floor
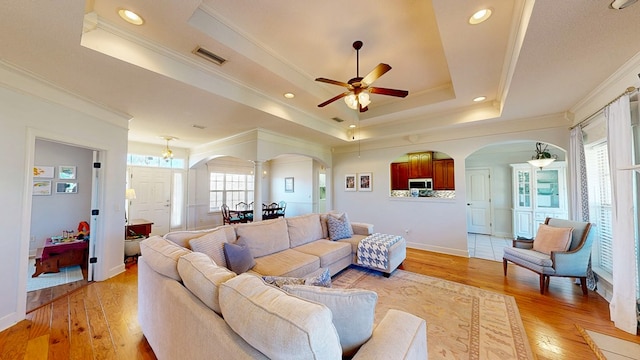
(487, 246)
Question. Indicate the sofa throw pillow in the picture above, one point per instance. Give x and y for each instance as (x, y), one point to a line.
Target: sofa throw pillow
(238, 257)
(353, 312)
(211, 244)
(551, 238)
(297, 328)
(339, 227)
(322, 279)
(203, 277)
(162, 255)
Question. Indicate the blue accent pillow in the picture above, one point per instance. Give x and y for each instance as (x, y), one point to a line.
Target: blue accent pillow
(339, 227)
(238, 257)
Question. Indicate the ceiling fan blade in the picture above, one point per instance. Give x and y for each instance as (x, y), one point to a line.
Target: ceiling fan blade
(335, 98)
(378, 71)
(363, 109)
(334, 82)
(390, 92)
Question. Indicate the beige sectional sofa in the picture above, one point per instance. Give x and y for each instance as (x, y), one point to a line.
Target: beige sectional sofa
(297, 246)
(190, 307)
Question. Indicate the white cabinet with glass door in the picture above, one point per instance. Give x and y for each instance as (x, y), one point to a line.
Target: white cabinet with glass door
(538, 194)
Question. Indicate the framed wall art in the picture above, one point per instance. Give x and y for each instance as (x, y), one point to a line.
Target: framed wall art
(288, 184)
(350, 182)
(43, 172)
(364, 182)
(41, 187)
(66, 188)
(66, 172)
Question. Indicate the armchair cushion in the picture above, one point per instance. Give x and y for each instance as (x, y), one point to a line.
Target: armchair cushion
(550, 238)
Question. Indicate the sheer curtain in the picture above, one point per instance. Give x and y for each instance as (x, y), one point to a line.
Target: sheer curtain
(579, 197)
(623, 302)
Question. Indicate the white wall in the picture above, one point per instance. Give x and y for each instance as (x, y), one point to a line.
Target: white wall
(25, 115)
(52, 214)
(426, 223)
(300, 201)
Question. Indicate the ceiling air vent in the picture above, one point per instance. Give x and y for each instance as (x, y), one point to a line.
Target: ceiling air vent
(337, 119)
(208, 55)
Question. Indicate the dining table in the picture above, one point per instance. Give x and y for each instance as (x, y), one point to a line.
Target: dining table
(243, 215)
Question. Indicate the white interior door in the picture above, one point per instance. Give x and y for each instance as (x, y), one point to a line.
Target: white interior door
(153, 197)
(478, 201)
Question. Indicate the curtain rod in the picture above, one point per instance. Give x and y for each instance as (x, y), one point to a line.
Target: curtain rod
(630, 90)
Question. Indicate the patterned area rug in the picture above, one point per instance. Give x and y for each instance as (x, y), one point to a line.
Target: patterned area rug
(66, 275)
(608, 347)
(463, 322)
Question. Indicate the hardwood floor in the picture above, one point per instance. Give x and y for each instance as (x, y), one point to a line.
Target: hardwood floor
(99, 321)
(38, 298)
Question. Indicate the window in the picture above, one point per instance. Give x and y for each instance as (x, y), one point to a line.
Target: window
(230, 189)
(154, 161)
(597, 161)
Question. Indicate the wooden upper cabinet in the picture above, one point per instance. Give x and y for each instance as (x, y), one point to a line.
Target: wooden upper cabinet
(400, 176)
(443, 175)
(420, 165)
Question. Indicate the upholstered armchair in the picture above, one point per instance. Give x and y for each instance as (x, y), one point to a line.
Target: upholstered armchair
(556, 251)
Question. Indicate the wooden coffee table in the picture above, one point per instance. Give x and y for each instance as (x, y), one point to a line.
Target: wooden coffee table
(53, 256)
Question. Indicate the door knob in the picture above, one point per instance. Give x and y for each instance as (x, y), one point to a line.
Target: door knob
(468, 204)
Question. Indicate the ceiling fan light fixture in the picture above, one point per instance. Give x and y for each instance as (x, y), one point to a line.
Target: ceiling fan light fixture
(352, 100)
(480, 16)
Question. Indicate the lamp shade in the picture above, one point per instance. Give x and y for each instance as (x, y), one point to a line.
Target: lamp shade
(130, 194)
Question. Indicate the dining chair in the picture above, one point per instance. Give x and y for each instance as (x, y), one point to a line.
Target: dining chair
(226, 216)
(282, 205)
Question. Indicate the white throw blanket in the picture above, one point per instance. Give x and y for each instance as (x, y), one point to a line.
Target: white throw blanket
(373, 251)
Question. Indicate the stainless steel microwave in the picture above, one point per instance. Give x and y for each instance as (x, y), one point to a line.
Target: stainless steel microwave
(426, 184)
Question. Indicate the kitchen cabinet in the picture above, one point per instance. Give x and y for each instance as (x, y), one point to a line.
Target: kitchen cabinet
(443, 175)
(420, 165)
(400, 176)
(538, 194)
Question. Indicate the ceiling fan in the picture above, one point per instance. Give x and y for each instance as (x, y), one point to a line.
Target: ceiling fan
(357, 97)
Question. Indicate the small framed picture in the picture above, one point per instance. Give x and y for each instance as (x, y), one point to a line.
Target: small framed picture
(41, 187)
(288, 184)
(66, 172)
(66, 188)
(350, 182)
(43, 172)
(365, 182)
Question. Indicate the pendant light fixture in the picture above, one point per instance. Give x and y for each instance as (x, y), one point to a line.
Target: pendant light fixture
(542, 157)
(167, 154)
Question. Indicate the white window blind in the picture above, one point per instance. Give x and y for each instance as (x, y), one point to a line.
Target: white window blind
(597, 161)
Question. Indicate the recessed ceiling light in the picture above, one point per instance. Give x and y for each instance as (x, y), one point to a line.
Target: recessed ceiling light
(130, 17)
(352, 126)
(480, 98)
(480, 16)
(289, 95)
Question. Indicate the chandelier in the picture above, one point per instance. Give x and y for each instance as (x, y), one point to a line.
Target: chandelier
(167, 154)
(542, 157)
